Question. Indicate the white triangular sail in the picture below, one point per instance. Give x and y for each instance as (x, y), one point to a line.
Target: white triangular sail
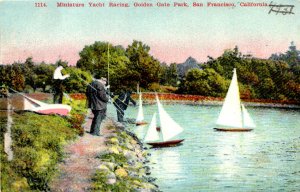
(140, 116)
(248, 122)
(152, 134)
(168, 126)
(231, 114)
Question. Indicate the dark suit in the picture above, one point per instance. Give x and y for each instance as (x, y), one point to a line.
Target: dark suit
(121, 103)
(97, 102)
(58, 89)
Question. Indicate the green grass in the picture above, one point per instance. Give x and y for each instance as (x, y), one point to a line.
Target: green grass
(38, 142)
(114, 158)
(126, 184)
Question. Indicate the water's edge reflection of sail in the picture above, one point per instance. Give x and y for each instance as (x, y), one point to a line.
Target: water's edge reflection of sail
(140, 116)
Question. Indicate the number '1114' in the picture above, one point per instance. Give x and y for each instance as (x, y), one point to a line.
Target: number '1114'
(40, 4)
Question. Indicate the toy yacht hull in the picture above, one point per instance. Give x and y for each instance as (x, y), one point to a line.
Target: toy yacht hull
(233, 129)
(166, 143)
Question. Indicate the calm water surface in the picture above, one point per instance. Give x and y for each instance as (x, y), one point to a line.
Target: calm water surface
(266, 159)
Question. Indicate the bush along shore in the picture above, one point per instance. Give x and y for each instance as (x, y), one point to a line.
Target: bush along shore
(171, 98)
(123, 165)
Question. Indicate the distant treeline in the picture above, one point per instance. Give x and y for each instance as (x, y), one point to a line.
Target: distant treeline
(275, 78)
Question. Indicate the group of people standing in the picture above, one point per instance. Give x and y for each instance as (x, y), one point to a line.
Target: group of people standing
(97, 98)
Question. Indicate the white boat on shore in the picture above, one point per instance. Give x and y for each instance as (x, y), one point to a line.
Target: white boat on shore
(40, 107)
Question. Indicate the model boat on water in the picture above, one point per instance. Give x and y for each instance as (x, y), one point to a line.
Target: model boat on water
(233, 116)
(163, 136)
(140, 116)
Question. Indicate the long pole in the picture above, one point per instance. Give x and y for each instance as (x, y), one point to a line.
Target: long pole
(108, 63)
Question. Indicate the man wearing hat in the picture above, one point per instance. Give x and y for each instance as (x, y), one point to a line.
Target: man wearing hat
(122, 102)
(97, 102)
(58, 86)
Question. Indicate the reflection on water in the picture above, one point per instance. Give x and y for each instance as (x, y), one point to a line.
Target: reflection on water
(167, 162)
(140, 131)
(266, 159)
(228, 154)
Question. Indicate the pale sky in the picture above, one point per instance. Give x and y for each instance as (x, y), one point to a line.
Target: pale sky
(173, 33)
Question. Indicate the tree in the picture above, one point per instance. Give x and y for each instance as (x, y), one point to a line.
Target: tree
(97, 57)
(5, 74)
(44, 73)
(142, 64)
(78, 80)
(224, 64)
(172, 74)
(62, 63)
(205, 82)
(94, 57)
(266, 88)
(17, 77)
(28, 70)
(169, 74)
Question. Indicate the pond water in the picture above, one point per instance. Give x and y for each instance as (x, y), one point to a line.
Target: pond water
(266, 159)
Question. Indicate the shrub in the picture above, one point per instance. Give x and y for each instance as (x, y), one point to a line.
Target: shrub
(77, 113)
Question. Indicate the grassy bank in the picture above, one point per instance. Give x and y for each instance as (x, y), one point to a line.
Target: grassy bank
(37, 146)
(123, 166)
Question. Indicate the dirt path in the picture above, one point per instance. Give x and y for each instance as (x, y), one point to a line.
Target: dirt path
(81, 162)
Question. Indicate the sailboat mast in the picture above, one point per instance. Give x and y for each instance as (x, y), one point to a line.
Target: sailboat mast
(108, 63)
(243, 117)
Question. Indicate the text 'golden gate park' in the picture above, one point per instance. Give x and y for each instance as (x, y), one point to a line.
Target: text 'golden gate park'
(99, 4)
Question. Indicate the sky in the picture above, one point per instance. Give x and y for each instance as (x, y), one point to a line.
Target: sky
(173, 33)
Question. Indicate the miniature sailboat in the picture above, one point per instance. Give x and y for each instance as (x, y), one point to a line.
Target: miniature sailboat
(233, 115)
(140, 116)
(31, 104)
(34, 105)
(168, 128)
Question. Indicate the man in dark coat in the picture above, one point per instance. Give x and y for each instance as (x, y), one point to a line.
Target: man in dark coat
(97, 102)
(58, 89)
(121, 104)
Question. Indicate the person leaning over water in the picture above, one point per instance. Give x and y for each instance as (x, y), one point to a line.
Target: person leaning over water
(97, 101)
(122, 102)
